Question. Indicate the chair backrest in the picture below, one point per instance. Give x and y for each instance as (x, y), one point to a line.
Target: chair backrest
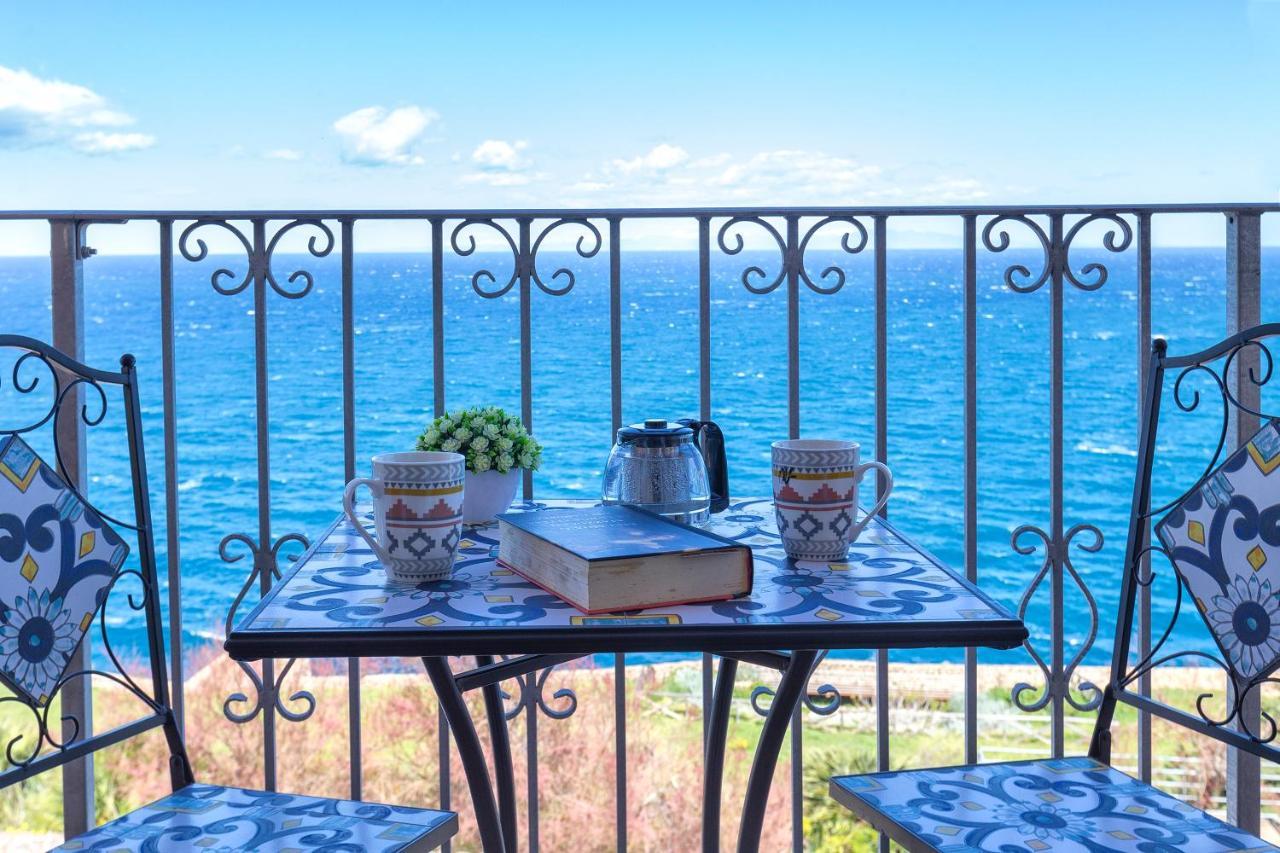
(1229, 591)
(63, 564)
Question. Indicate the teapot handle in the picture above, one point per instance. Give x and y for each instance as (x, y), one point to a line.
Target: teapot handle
(709, 440)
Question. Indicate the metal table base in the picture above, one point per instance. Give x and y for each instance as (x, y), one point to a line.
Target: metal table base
(496, 814)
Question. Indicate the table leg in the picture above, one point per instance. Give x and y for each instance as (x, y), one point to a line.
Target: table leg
(713, 766)
(468, 743)
(503, 771)
(790, 692)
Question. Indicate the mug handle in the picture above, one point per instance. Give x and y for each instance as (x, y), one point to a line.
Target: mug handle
(859, 526)
(348, 506)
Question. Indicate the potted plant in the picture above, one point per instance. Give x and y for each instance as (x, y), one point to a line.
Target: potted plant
(497, 448)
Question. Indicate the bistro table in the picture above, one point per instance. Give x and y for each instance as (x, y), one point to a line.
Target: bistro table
(887, 594)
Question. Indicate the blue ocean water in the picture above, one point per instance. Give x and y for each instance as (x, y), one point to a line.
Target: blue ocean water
(216, 416)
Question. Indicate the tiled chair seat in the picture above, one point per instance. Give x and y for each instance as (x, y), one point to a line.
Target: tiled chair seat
(220, 820)
(1064, 805)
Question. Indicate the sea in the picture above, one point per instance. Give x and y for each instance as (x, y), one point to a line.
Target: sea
(215, 395)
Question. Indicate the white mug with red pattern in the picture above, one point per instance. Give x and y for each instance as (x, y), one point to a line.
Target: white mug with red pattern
(815, 496)
(417, 513)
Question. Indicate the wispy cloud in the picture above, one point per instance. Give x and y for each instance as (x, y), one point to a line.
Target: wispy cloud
(660, 158)
(668, 175)
(499, 163)
(38, 111)
(289, 154)
(102, 142)
(375, 136)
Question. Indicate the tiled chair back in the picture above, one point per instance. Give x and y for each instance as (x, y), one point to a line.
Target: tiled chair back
(1209, 398)
(63, 565)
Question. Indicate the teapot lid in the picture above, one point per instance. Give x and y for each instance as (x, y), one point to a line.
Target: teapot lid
(655, 432)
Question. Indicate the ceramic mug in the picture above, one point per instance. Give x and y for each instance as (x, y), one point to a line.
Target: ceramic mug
(417, 512)
(815, 496)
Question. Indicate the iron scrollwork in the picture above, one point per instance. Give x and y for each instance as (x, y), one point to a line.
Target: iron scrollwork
(258, 257)
(834, 271)
(524, 256)
(1001, 241)
(43, 738)
(792, 250)
(580, 247)
(531, 696)
(823, 700)
(732, 228)
(1215, 371)
(1108, 240)
(469, 225)
(1059, 686)
(1240, 688)
(1056, 256)
(266, 562)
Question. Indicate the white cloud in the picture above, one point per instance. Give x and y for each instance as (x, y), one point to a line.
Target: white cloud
(375, 136)
(667, 175)
(101, 142)
(37, 111)
(288, 154)
(658, 159)
(499, 163)
(497, 154)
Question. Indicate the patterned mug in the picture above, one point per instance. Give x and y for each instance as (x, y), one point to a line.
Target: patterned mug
(417, 511)
(815, 496)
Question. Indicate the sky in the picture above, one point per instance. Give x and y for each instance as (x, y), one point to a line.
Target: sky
(417, 105)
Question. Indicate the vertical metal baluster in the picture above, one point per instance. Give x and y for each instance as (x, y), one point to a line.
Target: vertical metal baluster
(971, 471)
(792, 263)
(1058, 688)
(437, 314)
(66, 272)
(442, 726)
(615, 410)
(437, 383)
(704, 406)
(1244, 310)
(263, 426)
(531, 753)
(173, 543)
(525, 269)
(882, 453)
(793, 326)
(1144, 591)
(704, 318)
(615, 326)
(354, 725)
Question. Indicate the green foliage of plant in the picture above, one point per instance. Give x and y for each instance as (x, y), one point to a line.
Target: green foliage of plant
(489, 438)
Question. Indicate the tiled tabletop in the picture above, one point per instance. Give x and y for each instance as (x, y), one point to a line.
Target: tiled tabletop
(888, 593)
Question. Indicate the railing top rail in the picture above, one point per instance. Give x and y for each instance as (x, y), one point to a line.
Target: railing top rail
(648, 212)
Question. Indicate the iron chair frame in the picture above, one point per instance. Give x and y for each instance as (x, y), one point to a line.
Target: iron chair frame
(1253, 363)
(70, 378)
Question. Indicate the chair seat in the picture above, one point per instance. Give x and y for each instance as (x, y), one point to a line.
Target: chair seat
(213, 818)
(1064, 805)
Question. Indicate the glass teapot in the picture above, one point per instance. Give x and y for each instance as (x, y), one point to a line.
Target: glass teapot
(675, 469)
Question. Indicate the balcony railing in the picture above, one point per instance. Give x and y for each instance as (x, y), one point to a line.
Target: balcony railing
(1018, 250)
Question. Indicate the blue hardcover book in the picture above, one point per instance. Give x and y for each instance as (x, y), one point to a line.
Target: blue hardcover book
(607, 559)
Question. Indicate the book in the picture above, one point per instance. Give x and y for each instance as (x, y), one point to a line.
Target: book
(610, 558)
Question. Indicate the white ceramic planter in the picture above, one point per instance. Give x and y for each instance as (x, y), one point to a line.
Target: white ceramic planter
(488, 494)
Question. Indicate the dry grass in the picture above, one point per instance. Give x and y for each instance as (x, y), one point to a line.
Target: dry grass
(575, 757)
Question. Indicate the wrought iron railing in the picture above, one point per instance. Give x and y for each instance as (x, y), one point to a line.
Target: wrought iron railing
(794, 234)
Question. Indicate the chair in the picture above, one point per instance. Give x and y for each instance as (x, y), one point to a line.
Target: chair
(1082, 803)
(61, 559)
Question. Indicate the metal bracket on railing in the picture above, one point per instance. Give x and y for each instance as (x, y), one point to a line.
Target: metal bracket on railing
(82, 248)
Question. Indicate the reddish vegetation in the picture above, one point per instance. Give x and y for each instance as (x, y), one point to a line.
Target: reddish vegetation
(401, 756)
